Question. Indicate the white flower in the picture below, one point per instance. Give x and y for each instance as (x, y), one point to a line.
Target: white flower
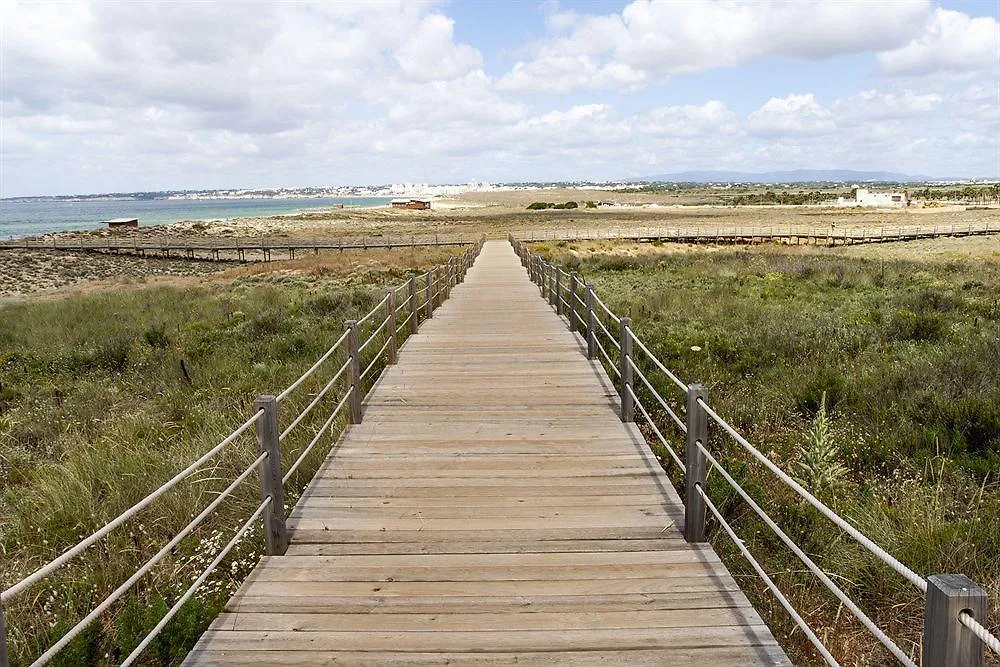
(696, 348)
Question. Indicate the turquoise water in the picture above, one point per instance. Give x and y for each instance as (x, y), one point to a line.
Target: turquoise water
(18, 219)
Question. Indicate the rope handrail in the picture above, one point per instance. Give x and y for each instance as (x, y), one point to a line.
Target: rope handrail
(673, 415)
(312, 369)
(809, 563)
(137, 651)
(607, 357)
(312, 404)
(607, 332)
(375, 359)
(305, 452)
(988, 638)
(405, 323)
(607, 310)
(911, 576)
(83, 544)
(146, 567)
(652, 424)
(799, 621)
(374, 310)
(374, 334)
(656, 362)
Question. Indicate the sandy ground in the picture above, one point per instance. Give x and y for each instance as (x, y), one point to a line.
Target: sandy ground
(493, 213)
(982, 248)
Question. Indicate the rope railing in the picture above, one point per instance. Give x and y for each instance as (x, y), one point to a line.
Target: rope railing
(808, 562)
(268, 462)
(796, 617)
(953, 602)
(319, 396)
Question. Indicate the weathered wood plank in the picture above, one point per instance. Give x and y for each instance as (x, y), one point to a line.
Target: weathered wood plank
(490, 508)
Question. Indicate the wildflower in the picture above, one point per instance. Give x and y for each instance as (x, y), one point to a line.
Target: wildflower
(696, 348)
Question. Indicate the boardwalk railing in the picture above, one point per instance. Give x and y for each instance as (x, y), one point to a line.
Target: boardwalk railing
(231, 248)
(955, 607)
(788, 235)
(390, 322)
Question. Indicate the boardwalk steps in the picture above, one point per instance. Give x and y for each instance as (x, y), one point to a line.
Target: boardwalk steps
(490, 508)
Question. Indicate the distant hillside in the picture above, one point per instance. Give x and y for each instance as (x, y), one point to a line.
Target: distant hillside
(794, 176)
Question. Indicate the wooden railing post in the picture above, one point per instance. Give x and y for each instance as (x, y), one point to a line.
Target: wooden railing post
(625, 341)
(275, 533)
(428, 300)
(3, 638)
(695, 469)
(591, 324)
(559, 307)
(948, 643)
(574, 283)
(354, 403)
(392, 347)
(413, 304)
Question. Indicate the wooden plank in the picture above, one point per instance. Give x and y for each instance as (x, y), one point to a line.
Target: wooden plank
(490, 508)
(716, 656)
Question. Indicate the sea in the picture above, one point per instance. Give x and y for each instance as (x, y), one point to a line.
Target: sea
(20, 219)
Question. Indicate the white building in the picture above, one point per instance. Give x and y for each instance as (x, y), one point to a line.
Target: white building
(865, 197)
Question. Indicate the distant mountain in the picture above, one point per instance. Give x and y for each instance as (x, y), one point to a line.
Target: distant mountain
(794, 176)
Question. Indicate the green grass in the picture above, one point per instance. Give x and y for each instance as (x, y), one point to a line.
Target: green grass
(907, 356)
(106, 396)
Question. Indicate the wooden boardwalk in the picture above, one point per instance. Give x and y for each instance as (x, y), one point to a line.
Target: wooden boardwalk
(490, 509)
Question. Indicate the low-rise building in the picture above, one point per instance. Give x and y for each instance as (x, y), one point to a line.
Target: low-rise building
(122, 223)
(414, 204)
(865, 197)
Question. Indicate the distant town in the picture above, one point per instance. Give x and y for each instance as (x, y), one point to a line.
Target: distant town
(450, 189)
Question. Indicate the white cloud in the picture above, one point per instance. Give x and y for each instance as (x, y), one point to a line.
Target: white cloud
(650, 40)
(873, 105)
(141, 96)
(790, 116)
(950, 42)
(689, 120)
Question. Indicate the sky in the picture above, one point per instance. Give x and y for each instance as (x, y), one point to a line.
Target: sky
(143, 96)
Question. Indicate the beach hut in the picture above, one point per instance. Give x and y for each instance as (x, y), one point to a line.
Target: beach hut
(413, 204)
(122, 223)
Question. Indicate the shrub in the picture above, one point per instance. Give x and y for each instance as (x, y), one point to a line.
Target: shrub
(539, 206)
(156, 336)
(908, 325)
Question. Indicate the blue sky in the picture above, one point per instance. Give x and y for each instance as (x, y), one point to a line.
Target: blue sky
(102, 97)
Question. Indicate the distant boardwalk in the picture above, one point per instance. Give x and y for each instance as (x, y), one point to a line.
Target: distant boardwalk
(491, 508)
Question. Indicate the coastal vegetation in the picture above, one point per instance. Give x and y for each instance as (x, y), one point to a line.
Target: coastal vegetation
(106, 395)
(543, 205)
(876, 383)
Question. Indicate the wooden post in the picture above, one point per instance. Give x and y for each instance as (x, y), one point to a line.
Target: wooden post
(413, 304)
(558, 294)
(574, 282)
(625, 340)
(275, 533)
(948, 643)
(428, 302)
(354, 403)
(392, 347)
(3, 638)
(695, 472)
(591, 324)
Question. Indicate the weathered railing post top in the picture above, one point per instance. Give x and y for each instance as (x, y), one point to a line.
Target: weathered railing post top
(947, 642)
